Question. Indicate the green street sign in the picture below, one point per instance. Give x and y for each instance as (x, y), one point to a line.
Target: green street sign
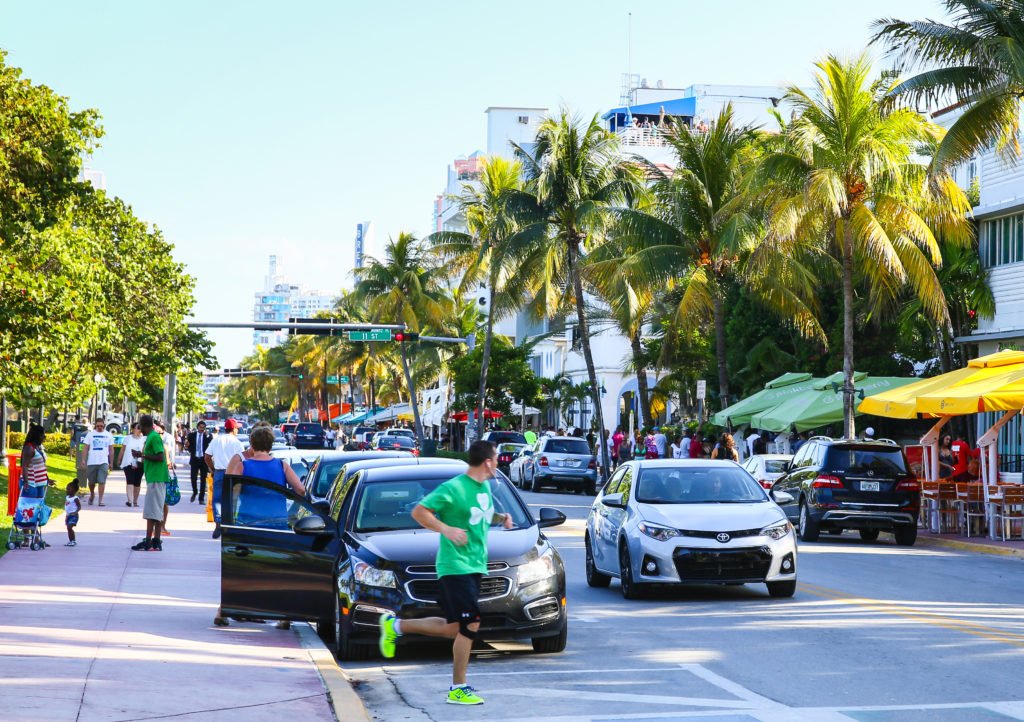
(335, 380)
(377, 334)
(332, 379)
(344, 379)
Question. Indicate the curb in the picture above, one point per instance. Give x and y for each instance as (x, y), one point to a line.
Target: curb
(971, 547)
(343, 698)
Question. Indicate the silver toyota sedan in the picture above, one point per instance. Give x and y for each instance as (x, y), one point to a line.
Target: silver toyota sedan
(688, 522)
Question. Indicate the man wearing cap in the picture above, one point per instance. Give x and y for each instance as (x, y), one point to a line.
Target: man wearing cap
(224, 447)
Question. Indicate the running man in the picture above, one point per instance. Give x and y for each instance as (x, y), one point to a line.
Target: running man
(461, 511)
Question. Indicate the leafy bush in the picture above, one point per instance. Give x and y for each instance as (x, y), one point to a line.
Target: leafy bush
(55, 442)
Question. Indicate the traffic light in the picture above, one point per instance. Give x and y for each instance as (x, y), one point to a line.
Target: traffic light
(406, 336)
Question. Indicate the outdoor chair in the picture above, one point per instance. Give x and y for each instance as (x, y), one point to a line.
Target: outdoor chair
(929, 503)
(1010, 512)
(948, 511)
(971, 500)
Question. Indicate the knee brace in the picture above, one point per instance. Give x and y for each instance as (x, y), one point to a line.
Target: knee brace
(464, 629)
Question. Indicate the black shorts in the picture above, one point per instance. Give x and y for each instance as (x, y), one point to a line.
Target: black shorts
(459, 598)
(133, 475)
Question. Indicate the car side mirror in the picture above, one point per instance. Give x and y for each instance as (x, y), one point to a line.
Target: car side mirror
(614, 500)
(311, 525)
(527, 452)
(550, 517)
(781, 497)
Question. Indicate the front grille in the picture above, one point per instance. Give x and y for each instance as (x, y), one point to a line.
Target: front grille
(726, 565)
(431, 569)
(738, 534)
(429, 590)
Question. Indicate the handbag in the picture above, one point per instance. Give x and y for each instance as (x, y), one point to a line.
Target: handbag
(173, 495)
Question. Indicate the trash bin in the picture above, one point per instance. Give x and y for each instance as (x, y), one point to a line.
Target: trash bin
(428, 447)
(13, 482)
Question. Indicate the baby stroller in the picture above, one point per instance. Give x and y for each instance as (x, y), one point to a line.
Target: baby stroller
(29, 518)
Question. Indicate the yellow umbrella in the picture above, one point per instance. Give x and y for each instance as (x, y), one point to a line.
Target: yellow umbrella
(901, 403)
(999, 388)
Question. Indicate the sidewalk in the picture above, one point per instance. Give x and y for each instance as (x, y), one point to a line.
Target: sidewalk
(100, 633)
(977, 544)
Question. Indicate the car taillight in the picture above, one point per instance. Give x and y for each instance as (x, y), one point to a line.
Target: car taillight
(908, 485)
(504, 458)
(765, 483)
(827, 482)
(415, 452)
(543, 461)
(592, 464)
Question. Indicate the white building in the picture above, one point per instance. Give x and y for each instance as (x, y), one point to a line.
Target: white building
(211, 391)
(280, 300)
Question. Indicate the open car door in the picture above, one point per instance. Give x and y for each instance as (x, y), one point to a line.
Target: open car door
(277, 553)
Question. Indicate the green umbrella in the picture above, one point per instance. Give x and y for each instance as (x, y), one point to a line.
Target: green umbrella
(774, 393)
(822, 404)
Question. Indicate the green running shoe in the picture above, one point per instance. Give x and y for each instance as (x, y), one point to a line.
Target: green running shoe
(387, 635)
(464, 695)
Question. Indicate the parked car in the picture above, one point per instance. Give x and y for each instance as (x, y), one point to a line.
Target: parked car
(326, 466)
(562, 462)
(838, 484)
(503, 437)
(244, 439)
(396, 443)
(766, 468)
(515, 468)
(685, 521)
(398, 431)
(364, 554)
(361, 435)
(300, 461)
(309, 435)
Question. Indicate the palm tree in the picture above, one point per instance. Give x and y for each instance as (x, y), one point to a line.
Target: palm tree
(576, 176)
(488, 252)
(405, 287)
(978, 58)
(849, 183)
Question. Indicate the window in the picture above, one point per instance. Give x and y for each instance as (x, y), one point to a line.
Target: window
(1001, 240)
(613, 484)
(524, 120)
(567, 446)
(626, 487)
(698, 486)
(265, 505)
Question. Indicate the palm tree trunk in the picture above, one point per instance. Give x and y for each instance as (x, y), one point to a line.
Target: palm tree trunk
(485, 361)
(412, 395)
(588, 356)
(848, 391)
(723, 371)
(641, 378)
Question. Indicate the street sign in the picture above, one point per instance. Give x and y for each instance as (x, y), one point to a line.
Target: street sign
(377, 334)
(344, 379)
(335, 380)
(702, 390)
(332, 379)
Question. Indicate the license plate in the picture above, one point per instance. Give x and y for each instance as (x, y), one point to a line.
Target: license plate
(869, 486)
(573, 462)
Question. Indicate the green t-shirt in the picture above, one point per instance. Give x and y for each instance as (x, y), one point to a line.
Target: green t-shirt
(156, 471)
(531, 438)
(468, 505)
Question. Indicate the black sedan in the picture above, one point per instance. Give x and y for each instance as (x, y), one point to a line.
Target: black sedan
(341, 566)
(322, 473)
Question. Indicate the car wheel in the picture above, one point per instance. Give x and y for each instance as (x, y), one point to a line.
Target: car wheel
(344, 648)
(533, 481)
(906, 535)
(551, 645)
(594, 577)
(592, 488)
(869, 535)
(626, 583)
(782, 589)
(808, 527)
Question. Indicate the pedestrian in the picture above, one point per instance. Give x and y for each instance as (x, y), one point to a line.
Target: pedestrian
(638, 446)
(196, 444)
(154, 464)
(751, 438)
(800, 440)
(661, 443)
(685, 444)
(329, 438)
(97, 456)
(697, 445)
(34, 475)
(761, 443)
(677, 448)
(947, 463)
(72, 507)
(224, 447)
(613, 448)
(462, 511)
(726, 449)
(169, 443)
(130, 465)
(530, 435)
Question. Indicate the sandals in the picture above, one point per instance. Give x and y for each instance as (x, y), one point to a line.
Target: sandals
(127, 503)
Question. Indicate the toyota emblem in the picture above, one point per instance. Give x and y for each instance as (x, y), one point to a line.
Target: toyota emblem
(723, 537)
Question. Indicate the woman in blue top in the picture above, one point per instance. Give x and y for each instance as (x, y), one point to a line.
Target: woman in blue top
(257, 506)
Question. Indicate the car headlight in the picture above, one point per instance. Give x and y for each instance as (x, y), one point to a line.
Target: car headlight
(372, 576)
(777, 531)
(657, 531)
(543, 567)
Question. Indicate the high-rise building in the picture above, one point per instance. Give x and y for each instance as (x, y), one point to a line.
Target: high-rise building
(364, 243)
(280, 300)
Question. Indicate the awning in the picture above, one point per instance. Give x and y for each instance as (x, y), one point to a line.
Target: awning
(392, 413)
(464, 415)
(774, 392)
(684, 107)
(822, 404)
(517, 410)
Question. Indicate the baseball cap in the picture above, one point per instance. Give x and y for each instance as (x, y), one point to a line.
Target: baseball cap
(231, 425)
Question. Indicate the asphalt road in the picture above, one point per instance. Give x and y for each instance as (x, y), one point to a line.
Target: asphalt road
(875, 632)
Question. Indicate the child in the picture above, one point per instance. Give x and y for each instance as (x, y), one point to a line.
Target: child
(72, 506)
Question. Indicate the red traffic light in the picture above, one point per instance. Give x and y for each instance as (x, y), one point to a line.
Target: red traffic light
(399, 337)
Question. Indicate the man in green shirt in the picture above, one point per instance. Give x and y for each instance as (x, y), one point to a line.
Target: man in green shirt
(461, 510)
(530, 436)
(157, 476)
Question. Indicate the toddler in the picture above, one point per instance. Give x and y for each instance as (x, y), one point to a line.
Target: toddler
(72, 506)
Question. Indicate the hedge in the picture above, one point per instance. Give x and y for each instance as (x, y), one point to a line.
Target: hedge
(55, 442)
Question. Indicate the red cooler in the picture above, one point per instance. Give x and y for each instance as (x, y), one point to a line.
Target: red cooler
(13, 482)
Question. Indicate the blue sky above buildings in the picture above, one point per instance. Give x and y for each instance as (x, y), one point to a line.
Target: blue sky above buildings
(249, 128)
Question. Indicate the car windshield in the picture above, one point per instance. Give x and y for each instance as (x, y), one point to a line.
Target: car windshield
(775, 466)
(567, 446)
(401, 442)
(506, 437)
(721, 485)
(388, 505)
(326, 471)
(861, 461)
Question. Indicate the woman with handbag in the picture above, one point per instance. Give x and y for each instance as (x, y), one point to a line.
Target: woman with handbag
(131, 466)
(173, 494)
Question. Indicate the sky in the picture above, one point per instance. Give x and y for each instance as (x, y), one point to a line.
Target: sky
(244, 129)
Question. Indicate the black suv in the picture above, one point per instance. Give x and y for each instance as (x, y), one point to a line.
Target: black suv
(309, 436)
(840, 484)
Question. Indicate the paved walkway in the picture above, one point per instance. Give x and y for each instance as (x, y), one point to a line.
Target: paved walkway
(98, 633)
